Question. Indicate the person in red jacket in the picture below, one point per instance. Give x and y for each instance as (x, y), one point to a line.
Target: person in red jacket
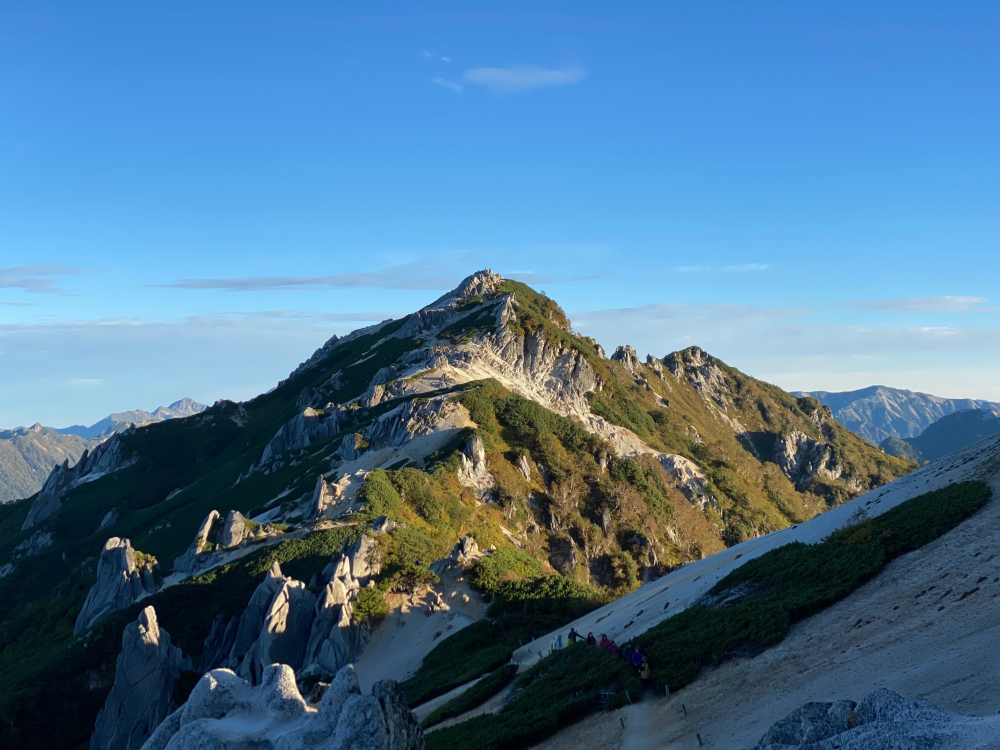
(591, 641)
(605, 643)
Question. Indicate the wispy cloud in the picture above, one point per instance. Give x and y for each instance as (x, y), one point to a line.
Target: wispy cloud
(409, 276)
(16, 304)
(920, 304)
(522, 78)
(450, 85)
(37, 279)
(738, 268)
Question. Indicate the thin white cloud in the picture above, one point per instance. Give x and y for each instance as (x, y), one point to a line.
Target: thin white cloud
(450, 85)
(445, 59)
(37, 279)
(406, 276)
(920, 304)
(521, 78)
(426, 54)
(738, 268)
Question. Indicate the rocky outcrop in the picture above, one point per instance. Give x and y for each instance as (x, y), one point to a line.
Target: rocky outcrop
(251, 622)
(524, 466)
(34, 544)
(474, 472)
(411, 420)
(299, 432)
(801, 458)
(334, 640)
(352, 446)
(195, 556)
(109, 518)
(883, 720)
(324, 498)
(219, 643)
(226, 713)
(120, 583)
(563, 553)
(109, 456)
(627, 358)
(703, 372)
(142, 694)
(284, 633)
(691, 479)
(234, 530)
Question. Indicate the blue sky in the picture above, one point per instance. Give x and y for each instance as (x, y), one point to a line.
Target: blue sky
(194, 196)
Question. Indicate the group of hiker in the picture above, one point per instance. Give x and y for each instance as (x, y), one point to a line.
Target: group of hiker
(631, 654)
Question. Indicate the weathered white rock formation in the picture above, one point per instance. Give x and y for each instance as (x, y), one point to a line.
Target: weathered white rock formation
(628, 359)
(324, 497)
(226, 713)
(107, 457)
(285, 631)
(191, 560)
(474, 471)
(251, 622)
(120, 583)
(334, 640)
(884, 720)
(142, 694)
(801, 458)
(691, 479)
(234, 530)
(109, 518)
(300, 431)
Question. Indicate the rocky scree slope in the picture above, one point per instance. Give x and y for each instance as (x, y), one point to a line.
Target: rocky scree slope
(482, 415)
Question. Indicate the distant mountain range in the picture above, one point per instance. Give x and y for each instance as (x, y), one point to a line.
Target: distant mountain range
(27, 454)
(879, 412)
(945, 436)
(119, 421)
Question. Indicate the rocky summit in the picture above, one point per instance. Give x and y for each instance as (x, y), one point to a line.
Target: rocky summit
(413, 504)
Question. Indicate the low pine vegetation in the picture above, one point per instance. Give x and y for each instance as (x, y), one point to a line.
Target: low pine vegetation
(475, 696)
(554, 693)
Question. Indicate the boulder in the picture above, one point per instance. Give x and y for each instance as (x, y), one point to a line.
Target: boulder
(191, 560)
(810, 723)
(226, 713)
(324, 498)
(120, 583)
(142, 694)
(234, 529)
(524, 466)
(883, 720)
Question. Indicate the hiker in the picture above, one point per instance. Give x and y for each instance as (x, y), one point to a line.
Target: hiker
(591, 641)
(613, 649)
(637, 657)
(627, 652)
(573, 636)
(556, 645)
(605, 643)
(644, 672)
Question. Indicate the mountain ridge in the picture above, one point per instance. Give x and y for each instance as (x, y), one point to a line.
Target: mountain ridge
(28, 454)
(879, 412)
(479, 430)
